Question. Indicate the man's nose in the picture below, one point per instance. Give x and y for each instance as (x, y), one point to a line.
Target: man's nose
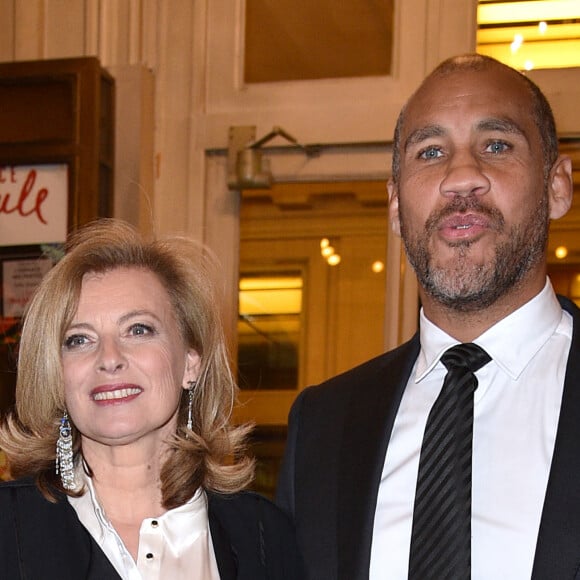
(464, 176)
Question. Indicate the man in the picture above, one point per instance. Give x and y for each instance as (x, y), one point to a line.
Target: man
(476, 179)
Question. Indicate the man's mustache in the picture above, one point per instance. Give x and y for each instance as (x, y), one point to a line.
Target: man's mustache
(465, 204)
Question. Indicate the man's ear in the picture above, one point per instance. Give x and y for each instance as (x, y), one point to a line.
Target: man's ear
(560, 187)
(394, 207)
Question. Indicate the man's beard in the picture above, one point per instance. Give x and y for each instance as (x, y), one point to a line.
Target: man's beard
(463, 285)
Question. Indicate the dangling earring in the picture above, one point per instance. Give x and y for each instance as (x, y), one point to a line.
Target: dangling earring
(64, 454)
(191, 385)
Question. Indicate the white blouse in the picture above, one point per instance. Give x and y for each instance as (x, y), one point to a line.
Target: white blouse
(175, 545)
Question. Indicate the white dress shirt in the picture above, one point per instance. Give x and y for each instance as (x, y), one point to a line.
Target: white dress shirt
(175, 545)
(516, 411)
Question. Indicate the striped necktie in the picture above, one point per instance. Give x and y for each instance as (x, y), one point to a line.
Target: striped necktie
(441, 536)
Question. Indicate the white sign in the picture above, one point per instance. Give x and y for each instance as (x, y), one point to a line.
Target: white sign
(21, 277)
(33, 204)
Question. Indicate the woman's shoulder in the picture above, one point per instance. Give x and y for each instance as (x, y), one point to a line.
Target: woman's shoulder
(24, 486)
(24, 494)
(23, 500)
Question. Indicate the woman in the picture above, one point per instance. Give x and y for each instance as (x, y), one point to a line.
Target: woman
(123, 371)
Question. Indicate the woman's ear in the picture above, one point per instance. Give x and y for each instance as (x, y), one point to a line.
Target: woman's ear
(560, 187)
(394, 207)
(192, 367)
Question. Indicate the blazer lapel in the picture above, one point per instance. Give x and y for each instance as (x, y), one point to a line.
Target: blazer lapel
(558, 548)
(364, 443)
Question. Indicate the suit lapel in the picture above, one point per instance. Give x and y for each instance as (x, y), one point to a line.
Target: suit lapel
(558, 548)
(364, 442)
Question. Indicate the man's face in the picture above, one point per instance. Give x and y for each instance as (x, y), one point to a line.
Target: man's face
(471, 202)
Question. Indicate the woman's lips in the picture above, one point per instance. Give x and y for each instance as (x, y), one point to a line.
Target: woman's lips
(116, 393)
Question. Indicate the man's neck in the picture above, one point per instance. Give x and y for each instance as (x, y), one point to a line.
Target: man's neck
(467, 325)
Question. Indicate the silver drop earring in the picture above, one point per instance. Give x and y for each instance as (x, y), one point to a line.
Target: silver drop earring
(191, 386)
(64, 454)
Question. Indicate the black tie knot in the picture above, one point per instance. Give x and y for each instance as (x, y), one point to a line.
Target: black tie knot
(467, 355)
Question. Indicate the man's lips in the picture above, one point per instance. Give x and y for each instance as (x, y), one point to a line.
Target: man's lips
(113, 393)
(463, 226)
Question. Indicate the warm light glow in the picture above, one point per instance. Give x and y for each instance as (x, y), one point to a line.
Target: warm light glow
(324, 243)
(269, 295)
(327, 251)
(531, 11)
(378, 267)
(517, 42)
(531, 34)
(333, 260)
(561, 252)
(270, 282)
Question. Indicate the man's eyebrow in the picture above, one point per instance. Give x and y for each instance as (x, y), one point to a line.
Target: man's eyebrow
(422, 134)
(501, 125)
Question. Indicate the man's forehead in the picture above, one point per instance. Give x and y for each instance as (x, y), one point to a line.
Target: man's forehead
(467, 82)
(493, 93)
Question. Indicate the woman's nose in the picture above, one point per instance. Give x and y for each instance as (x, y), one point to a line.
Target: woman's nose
(111, 356)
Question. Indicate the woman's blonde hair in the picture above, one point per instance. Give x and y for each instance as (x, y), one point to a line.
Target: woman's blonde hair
(212, 454)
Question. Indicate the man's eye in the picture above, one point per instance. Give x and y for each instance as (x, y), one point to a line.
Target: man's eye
(497, 147)
(430, 153)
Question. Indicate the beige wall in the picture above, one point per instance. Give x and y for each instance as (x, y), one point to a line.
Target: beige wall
(148, 46)
(177, 63)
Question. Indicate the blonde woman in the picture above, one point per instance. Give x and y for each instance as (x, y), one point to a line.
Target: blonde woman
(126, 462)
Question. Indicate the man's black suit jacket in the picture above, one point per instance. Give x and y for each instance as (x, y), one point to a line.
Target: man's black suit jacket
(337, 441)
(39, 540)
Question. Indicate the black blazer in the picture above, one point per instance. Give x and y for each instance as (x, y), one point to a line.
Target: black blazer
(39, 540)
(337, 440)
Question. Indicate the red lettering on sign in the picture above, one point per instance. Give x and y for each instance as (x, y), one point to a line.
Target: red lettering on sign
(24, 206)
(11, 177)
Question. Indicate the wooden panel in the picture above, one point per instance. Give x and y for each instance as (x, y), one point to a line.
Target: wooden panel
(301, 39)
(62, 111)
(37, 110)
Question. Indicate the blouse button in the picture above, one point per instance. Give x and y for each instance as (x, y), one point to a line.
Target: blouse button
(149, 556)
(154, 523)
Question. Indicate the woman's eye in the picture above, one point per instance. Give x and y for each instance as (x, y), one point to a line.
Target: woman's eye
(430, 153)
(75, 340)
(497, 147)
(141, 329)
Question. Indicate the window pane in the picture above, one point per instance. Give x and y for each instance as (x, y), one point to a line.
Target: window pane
(270, 307)
(315, 39)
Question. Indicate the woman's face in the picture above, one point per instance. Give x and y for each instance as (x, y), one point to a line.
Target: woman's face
(125, 362)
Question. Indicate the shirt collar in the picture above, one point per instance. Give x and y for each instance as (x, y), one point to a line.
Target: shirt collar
(512, 342)
(179, 526)
(182, 525)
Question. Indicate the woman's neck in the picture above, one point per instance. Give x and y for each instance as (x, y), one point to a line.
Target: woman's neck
(127, 486)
